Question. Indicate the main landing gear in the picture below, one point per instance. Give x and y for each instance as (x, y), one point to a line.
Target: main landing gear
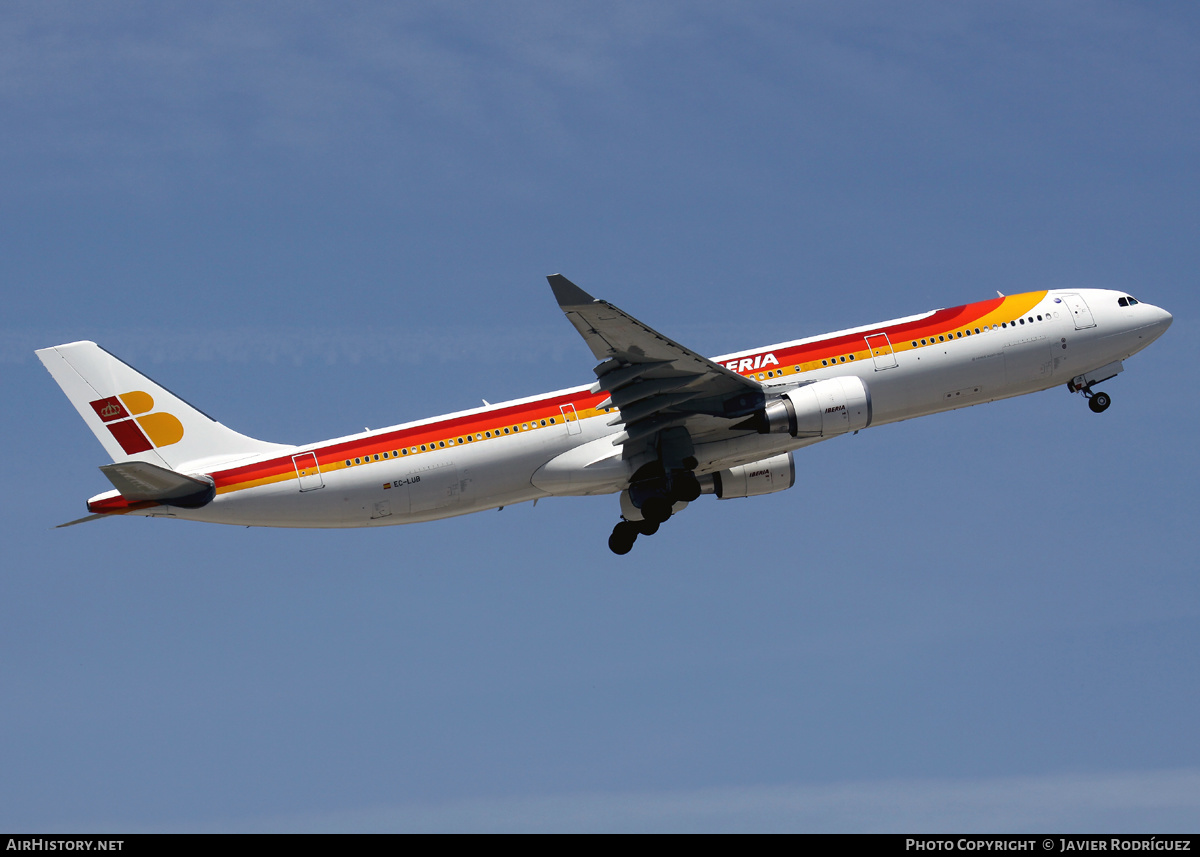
(654, 495)
(625, 533)
(657, 490)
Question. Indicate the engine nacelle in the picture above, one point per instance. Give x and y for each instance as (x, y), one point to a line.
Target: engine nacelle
(822, 409)
(777, 473)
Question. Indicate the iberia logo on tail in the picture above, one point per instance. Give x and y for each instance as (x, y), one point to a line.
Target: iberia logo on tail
(129, 419)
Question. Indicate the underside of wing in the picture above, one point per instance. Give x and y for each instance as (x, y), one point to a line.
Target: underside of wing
(655, 383)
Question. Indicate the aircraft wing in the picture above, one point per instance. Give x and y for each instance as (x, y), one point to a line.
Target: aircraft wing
(655, 382)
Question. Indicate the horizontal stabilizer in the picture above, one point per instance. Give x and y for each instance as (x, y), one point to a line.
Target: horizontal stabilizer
(138, 481)
(82, 520)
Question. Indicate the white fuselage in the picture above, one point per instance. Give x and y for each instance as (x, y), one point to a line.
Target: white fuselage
(560, 444)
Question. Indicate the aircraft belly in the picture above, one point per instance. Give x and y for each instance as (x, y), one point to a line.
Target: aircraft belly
(442, 484)
(450, 482)
(279, 505)
(594, 467)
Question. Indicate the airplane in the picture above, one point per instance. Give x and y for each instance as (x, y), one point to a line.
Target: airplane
(661, 426)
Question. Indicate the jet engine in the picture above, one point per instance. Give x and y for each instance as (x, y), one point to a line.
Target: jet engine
(821, 409)
(777, 473)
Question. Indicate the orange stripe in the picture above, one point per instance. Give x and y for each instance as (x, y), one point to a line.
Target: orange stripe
(807, 356)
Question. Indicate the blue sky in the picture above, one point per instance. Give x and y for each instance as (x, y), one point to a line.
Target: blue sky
(307, 219)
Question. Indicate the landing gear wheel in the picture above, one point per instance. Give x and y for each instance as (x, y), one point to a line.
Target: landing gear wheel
(1099, 402)
(623, 536)
(686, 488)
(647, 528)
(656, 509)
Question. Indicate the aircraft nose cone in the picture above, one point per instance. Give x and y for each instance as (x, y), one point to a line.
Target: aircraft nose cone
(1162, 320)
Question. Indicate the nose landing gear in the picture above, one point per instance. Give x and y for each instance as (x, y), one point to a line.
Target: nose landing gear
(1084, 383)
(1097, 401)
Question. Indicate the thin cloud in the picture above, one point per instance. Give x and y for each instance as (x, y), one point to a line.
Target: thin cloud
(1145, 801)
(330, 346)
(141, 88)
(338, 345)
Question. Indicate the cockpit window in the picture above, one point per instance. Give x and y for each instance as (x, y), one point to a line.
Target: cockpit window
(1132, 301)
(1122, 301)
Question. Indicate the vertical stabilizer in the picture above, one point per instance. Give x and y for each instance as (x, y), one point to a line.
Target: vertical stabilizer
(136, 419)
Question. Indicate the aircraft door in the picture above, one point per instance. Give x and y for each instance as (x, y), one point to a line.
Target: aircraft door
(881, 351)
(571, 419)
(308, 473)
(1079, 311)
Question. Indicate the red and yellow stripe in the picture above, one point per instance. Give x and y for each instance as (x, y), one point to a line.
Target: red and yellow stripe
(548, 413)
